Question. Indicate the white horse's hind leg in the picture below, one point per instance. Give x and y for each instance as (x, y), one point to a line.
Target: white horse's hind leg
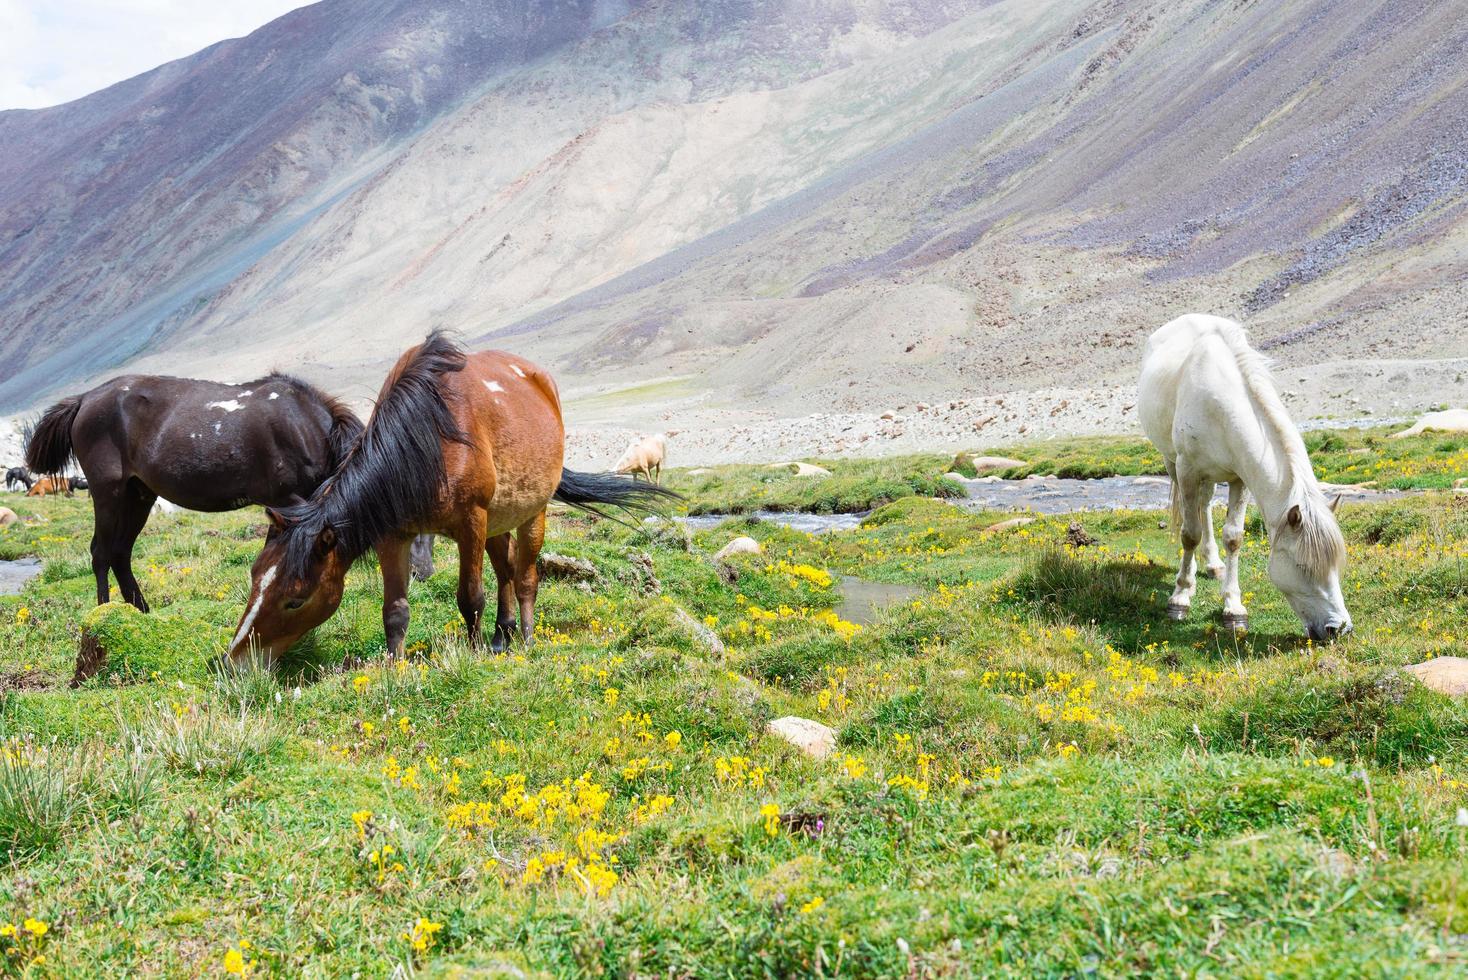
(1211, 562)
(1235, 616)
(1194, 516)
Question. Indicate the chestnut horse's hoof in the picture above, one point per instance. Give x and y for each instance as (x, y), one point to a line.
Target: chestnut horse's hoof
(1237, 622)
(1177, 612)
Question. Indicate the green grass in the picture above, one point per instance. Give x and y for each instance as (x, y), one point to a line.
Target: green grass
(1036, 774)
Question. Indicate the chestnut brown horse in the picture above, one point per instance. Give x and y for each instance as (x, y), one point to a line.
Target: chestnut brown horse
(200, 444)
(469, 446)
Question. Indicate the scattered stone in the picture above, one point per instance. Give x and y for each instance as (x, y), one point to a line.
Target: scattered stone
(1010, 524)
(566, 567)
(1076, 536)
(810, 469)
(810, 737)
(1446, 675)
(641, 573)
(739, 546)
(705, 636)
(1151, 481)
(8, 516)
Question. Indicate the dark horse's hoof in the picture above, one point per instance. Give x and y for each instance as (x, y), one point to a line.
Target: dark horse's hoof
(1177, 613)
(1235, 622)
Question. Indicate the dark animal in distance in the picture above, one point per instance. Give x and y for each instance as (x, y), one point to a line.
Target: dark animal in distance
(470, 446)
(200, 444)
(18, 476)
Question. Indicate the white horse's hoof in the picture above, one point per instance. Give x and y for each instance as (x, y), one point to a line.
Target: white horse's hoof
(1215, 571)
(1176, 612)
(1237, 622)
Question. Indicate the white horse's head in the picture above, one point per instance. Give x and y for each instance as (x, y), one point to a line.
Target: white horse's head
(1306, 557)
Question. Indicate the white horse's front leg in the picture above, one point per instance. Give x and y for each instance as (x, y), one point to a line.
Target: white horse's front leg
(1194, 516)
(1211, 562)
(1235, 616)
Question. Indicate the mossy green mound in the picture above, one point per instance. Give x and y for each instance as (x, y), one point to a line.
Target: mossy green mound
(122, 646)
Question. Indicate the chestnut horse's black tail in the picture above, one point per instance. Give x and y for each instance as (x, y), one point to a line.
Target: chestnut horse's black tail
(585, 490)
(49, 449)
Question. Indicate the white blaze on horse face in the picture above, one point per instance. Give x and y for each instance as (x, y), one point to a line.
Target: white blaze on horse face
(265, 581)
(230, 406)
(494, 386)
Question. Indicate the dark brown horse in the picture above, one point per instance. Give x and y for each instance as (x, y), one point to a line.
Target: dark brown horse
(469, 446)
(199, 444)
(18, 475)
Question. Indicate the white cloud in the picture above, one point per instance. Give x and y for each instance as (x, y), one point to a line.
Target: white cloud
(53, 51)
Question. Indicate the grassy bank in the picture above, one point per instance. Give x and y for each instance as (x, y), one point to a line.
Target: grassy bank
(1036, 773)
(1430, 461)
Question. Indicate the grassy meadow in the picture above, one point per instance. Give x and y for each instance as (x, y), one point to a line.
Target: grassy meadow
(1035, 774)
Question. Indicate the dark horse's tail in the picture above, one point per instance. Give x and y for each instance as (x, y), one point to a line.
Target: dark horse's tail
(50, 445)
(585, 490)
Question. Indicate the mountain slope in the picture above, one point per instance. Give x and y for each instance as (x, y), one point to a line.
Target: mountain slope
(935, 198)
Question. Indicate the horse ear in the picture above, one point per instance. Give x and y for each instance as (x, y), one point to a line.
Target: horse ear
(325, 541)
(1294, 518)
(276, 521)
(1336, 502)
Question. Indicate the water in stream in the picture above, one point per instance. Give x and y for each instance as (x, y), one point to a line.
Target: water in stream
(861, 600)
(15, 574)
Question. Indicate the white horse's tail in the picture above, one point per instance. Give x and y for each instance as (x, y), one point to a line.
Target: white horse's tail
(1175, 507)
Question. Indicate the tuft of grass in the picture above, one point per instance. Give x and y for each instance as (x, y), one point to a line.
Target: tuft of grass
(210, 742)
(43, 791)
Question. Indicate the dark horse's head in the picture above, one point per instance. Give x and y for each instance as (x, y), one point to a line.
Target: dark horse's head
(390, 480)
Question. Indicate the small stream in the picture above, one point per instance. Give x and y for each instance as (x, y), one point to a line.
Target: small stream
(862, 601)
(15, 574)
(1038, 494)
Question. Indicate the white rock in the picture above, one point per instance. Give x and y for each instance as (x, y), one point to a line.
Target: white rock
(810, 737)
(7, 516)
(739, 546)
(1447, 675)
(1010, 524)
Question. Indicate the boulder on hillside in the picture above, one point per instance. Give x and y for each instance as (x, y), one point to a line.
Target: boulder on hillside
(8, 516)
(1446, 675)
(971, 464)
(810, 737)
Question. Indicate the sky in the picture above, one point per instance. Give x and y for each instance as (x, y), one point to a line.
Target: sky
(53, 51)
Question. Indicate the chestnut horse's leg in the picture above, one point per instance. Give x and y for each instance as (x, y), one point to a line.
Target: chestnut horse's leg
(470, 539)
(500, 550)
(392, 555)
(528, 539)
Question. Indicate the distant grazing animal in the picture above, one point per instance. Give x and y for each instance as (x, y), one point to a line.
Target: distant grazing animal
(1208, 404)
(18, 476)
(645, 456)
(48, 485)
(1452, 420)
(200, 444)
(465, 445)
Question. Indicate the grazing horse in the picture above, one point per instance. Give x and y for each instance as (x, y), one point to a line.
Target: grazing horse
(18, 475)
(1208, 404)
(469, 446)
(200, 444)
(645, 456)
(48, 485)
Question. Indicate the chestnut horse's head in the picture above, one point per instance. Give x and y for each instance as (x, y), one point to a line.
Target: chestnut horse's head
(296, 584)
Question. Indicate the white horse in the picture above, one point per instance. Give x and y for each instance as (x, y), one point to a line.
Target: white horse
(1208, 403)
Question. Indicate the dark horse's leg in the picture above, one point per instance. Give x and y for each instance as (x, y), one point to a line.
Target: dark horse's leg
(470, 539)
(392, 555)
(528, 539)
(107, 508)
(500, 559)
(138, 502)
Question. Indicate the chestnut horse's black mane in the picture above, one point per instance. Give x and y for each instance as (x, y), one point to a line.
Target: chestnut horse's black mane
(393, 473)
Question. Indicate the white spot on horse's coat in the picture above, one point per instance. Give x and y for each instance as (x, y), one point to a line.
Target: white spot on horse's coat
(494, 386)
(516, 369)
(247, 394)
(216, 427)
(127, 387)
(265, 581)
(274, 395)
(229, 406)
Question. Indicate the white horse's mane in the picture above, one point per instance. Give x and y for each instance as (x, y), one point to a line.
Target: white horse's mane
(1322, 547)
